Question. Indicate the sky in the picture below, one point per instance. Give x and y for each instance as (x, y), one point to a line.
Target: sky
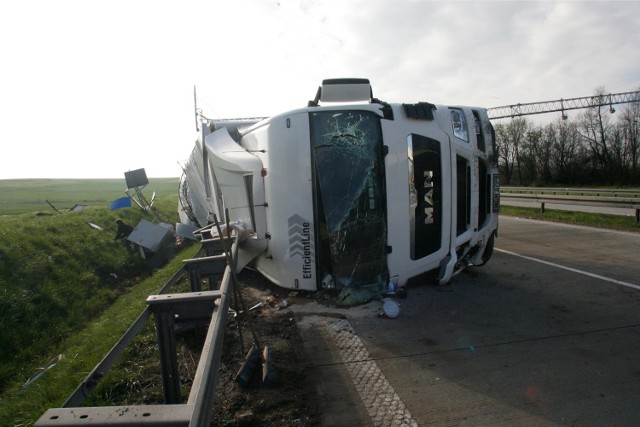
(93, 88)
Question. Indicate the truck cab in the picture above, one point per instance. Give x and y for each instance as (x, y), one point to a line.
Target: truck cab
(351, 193)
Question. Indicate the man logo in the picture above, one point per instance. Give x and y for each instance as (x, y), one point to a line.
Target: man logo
(428, 197)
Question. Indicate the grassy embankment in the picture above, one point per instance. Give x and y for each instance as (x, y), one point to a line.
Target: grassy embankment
(613, 222)
(66, 288)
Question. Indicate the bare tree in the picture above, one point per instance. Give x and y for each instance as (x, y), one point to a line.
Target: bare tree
(629, 121)
(598, 147)
(595, 125)
(540, 149)
(506, 156)
(510, 139)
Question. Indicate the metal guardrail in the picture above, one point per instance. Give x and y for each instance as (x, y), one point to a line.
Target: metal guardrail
(625, 199)
(598, 192)
(198, 409)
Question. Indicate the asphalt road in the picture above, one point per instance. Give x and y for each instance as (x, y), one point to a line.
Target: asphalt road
(546, 334)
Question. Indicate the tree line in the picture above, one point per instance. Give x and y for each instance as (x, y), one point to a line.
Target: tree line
(600, 146)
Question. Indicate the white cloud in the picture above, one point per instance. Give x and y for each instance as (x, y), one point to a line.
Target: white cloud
(94, 88)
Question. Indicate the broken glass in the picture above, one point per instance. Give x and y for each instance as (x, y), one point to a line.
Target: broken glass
(349, 186)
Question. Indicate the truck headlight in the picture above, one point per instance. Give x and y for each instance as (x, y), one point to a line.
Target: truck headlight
(459, 124)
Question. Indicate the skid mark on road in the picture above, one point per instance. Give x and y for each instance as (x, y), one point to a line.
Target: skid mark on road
(380, 399)
(574, 270)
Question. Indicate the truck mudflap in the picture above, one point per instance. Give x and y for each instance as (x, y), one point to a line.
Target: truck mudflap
(465, 256)
(447, 267)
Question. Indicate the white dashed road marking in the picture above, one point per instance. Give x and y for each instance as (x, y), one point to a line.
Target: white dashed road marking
(380, 399)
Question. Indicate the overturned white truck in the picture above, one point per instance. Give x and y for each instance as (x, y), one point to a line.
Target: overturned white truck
(350, 193)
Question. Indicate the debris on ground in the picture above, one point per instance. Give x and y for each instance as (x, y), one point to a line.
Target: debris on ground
(277, 391)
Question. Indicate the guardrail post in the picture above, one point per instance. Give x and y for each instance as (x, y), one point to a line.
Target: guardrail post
(210, 267)
(541, 207)
(163, 316)
(211, 246)
(194, 277)
(637, 215)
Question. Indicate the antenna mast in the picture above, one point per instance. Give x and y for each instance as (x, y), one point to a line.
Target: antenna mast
(195, 108)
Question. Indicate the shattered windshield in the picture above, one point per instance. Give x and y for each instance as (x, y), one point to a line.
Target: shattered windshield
(349, 188)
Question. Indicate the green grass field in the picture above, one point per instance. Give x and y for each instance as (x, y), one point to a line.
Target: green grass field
(58, 275)
(31, 195)
(613, 222)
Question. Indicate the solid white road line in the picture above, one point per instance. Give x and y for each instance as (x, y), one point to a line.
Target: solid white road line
(574, 270)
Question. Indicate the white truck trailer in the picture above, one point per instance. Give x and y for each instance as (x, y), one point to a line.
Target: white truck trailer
(350, 193)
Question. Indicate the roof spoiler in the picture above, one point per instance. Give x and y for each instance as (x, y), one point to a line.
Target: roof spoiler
(343, 90)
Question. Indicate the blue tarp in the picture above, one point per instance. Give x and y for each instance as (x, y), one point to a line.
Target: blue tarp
(121, 203)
